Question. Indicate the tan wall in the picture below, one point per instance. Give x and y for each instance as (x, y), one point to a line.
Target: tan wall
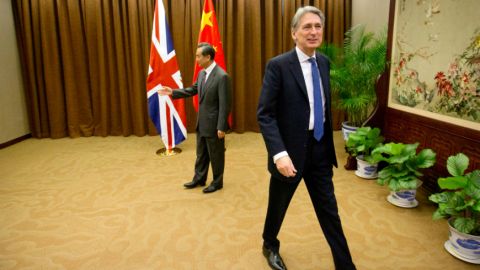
(372, 13)
(13, 114)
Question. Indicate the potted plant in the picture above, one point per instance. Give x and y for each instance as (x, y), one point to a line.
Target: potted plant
(354, 69)
(460, 202)
(403, 170)
(360, 145)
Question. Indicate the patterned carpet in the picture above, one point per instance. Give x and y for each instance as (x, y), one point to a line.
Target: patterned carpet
(112, 203)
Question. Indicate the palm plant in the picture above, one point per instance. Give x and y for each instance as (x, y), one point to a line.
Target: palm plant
(354, 70)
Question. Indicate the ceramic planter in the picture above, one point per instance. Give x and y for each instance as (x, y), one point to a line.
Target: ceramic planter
(463, 246)
(366, 170)
(403, 198)
(347, 129)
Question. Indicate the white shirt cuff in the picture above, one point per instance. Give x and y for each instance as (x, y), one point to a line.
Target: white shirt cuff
(279, 155)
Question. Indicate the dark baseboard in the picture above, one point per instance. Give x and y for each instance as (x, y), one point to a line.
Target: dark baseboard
(14, 141)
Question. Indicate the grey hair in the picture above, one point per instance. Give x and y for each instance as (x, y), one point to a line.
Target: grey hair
(302, 11)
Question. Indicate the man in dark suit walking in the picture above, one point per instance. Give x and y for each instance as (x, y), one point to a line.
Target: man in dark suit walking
(294, 114)
(214, 88)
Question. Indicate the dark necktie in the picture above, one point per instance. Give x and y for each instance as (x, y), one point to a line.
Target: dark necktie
(317, 101)
(202, 83)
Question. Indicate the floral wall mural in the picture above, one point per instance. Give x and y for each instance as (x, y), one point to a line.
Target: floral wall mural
(435, 65)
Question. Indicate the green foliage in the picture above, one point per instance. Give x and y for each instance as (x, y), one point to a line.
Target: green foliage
(354, 70)
(363, 141)
(403, 169)
(460, 199)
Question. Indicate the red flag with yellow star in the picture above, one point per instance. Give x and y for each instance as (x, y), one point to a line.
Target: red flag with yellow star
(209, 33)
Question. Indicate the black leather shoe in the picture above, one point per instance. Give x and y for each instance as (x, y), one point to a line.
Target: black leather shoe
(211, 189)
(193, 184)
(274, 259)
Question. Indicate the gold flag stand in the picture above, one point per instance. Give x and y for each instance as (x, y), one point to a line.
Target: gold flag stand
(165, 152)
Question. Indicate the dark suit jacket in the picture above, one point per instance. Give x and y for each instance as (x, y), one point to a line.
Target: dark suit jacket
(214, 101)
(284, 112)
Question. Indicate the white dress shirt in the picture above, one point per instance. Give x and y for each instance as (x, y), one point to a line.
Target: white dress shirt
(307, 76)
(208, 70)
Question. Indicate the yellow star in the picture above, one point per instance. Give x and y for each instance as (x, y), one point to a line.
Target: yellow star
(215, 48)
(206, 20)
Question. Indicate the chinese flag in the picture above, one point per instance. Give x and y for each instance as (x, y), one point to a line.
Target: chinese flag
(209, 33)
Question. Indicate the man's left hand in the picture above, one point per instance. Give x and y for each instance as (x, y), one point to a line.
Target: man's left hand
(220, 134)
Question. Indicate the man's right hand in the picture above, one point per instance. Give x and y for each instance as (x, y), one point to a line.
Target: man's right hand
(285, 166)
(165, 91)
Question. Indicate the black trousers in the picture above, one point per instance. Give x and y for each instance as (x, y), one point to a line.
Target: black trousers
(210, 150)
(318, 180)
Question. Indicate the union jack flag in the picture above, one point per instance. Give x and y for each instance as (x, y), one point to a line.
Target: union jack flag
(168, 115)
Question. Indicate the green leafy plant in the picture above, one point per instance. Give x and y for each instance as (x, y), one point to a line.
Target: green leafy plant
(354, 69)
(363, 141)
(404, 164)
(460, 199)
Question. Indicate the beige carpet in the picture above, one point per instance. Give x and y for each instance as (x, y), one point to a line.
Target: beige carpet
(112, 203)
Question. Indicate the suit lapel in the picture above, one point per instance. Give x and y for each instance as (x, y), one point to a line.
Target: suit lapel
(296, 69)
(324, 75)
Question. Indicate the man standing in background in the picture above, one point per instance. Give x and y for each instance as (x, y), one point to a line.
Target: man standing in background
(214, 89)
